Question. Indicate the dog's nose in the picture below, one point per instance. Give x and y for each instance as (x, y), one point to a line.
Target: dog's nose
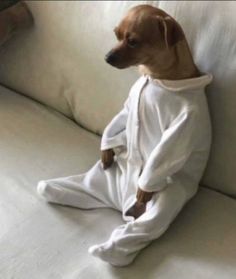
(111, 57)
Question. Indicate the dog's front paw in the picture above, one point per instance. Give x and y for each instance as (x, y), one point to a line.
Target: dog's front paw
(107, 158)
(136, 210)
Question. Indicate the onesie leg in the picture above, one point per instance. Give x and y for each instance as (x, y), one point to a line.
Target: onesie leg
(95, 189)
(127, 240)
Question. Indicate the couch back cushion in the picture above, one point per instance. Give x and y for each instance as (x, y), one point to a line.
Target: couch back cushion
(60, 62)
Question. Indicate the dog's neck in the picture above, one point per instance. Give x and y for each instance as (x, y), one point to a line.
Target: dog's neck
(174, 64)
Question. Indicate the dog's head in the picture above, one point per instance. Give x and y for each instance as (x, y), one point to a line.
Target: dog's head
(144, 33)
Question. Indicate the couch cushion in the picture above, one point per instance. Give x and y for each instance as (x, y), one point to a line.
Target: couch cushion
(45, 241)
(62, 62)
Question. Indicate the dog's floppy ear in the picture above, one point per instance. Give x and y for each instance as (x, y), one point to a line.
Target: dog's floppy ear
(171, 31)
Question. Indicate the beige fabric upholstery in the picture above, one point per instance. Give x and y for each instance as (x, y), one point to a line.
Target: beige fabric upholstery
(61, 63)
(40, 241)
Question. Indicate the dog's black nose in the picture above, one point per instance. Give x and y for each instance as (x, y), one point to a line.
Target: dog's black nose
(111, 57)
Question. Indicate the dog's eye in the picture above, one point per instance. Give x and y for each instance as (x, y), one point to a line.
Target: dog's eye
(132, 42)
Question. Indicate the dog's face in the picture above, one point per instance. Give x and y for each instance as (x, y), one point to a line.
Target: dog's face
(144, 33)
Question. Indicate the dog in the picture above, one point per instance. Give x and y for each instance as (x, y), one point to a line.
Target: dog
(151, 38)
(155, 42)
(154, 151)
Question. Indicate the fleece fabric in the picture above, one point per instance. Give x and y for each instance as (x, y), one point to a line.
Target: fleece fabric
(161, 139)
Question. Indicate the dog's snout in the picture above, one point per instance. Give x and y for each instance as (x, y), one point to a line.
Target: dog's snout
(111, 57)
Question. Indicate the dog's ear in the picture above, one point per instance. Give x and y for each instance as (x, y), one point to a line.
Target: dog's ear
(170, 30)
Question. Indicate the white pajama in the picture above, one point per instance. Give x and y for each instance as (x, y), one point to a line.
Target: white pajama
(161, 139)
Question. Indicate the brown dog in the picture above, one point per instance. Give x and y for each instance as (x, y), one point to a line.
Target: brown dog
(151, 39)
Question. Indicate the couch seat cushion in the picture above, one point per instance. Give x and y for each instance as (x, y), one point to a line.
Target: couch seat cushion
(42, 241)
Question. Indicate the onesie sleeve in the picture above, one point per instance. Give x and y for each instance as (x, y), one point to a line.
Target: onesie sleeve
(114, 134)
(171, 153)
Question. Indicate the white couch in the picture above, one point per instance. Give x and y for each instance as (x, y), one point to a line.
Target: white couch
(56, 97)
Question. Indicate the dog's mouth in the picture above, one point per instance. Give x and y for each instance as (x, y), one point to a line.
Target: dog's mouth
(120, 64)
(113, 59)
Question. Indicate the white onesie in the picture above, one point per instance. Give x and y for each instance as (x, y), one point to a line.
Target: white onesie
(161, 139)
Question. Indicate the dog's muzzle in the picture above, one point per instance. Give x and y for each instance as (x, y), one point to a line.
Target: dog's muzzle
(111, 57)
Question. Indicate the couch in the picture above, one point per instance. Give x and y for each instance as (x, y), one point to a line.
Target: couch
(56, 96)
